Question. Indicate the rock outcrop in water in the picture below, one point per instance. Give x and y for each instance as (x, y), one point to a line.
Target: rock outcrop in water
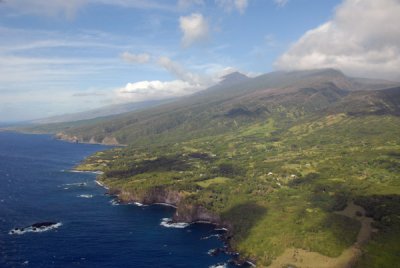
(36, 228)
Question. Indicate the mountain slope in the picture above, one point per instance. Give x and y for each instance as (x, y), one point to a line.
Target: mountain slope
(274, 159)
(295, 165)
(226, 107)
(277, 186)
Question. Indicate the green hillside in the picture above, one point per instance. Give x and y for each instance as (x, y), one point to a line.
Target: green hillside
(225, 107)
(331, 164)
(275, 159)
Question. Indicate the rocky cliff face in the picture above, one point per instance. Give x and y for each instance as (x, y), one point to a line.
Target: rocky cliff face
(75, 139)
(195, 213)
(154, 195)
(184, 212)
(65, 137)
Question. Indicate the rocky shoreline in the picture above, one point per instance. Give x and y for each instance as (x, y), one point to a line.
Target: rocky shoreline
(184, 213)
(110, 141)
(159, 195)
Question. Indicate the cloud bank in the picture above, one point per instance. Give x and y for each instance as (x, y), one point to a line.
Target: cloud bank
(153, 90)
(186, 82)
(362, 39)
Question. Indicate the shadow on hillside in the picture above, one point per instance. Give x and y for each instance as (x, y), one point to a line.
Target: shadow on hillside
(243, 217)
(383, 209)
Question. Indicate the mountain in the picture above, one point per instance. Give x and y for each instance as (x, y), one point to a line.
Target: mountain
(233, 78)
(229, 105)
(121, 108)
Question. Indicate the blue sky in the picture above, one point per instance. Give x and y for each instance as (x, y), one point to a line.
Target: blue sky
(66, 56)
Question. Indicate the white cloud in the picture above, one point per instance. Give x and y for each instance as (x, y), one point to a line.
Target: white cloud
(40, 70)
(229, 5)
(136, 58)
(151, 90)
(362, 39)
(194, 28)
(187, 82)
(281, 3)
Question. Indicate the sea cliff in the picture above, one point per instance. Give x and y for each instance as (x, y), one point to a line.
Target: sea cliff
(108, 140)
(185, 212)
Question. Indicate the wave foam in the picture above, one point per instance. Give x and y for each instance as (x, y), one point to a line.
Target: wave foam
(85, 196)
(168, 223)
(219, 265)
(165, 204)
(101, 185)
(211, 236)
(115, 202)
(35, 228)
(139, 204)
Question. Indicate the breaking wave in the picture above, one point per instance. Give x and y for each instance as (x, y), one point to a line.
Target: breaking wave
(219, 265)
(101, 185)
(85, 196)
(168, 223)
(115, 202)
(139, 204)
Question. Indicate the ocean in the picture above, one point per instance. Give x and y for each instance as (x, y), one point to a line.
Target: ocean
(79, 225)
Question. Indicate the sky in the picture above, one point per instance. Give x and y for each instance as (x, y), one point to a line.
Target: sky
(59, 57)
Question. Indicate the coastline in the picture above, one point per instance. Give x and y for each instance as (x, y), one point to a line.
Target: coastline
(135, 234)
(107, 141)
(219, 226)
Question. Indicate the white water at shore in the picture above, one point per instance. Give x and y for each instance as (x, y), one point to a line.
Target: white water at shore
(101, 185)
(168, 223)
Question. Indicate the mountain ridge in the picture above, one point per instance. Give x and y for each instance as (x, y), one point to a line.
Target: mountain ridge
(245, 101)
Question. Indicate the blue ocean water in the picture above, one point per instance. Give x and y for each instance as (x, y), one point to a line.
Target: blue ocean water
(37, 185)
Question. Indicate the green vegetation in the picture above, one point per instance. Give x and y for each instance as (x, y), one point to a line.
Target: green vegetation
(274, 166)
(290, 183)
(209, 182)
